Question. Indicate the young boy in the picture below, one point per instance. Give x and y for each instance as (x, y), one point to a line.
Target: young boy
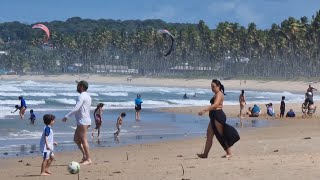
(119, 123)
(46, 144)
(32, 117)
(282, 106)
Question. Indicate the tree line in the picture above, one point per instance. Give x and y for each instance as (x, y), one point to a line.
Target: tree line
(287, 50)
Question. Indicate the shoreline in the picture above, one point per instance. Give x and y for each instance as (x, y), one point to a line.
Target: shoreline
(280, 86)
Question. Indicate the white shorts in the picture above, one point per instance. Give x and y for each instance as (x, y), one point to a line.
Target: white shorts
(47, 155)
(84, 122)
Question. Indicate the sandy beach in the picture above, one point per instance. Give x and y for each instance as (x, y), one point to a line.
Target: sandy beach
(291, 86)
(289, 149)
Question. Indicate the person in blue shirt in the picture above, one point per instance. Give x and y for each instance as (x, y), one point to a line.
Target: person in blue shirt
(23, 107)
(255, 111)
(32, 117)
(290, 113)
(138, 101)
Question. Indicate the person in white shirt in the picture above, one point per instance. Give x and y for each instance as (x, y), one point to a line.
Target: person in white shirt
(81, 111)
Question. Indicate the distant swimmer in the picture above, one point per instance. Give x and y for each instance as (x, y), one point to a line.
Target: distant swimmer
(23, 107)
(185, 96)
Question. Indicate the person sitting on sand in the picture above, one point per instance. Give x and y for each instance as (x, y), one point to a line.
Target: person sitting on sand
(249, 112)
(270, 110)
(291, 114)
(255, 111)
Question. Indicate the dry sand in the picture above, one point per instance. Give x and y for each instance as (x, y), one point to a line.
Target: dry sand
(288, 150)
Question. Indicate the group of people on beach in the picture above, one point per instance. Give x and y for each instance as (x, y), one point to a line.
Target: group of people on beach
(255, 111)
(225, 134)
(81, 112)
(22, 109)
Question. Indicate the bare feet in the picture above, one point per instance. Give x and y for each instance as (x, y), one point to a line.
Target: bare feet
(86, 162)
(202, 156)
(45, 174)
(48, 172)
(83, 159)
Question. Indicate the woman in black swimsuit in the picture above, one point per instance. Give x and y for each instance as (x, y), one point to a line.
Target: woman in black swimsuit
(225, 134)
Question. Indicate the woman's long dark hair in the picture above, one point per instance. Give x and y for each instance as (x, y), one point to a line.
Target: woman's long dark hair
(98, 106)
(218, 83)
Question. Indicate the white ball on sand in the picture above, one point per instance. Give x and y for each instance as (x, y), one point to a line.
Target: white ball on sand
(74, 167)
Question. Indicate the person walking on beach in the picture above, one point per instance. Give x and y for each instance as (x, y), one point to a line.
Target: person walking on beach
(225, 134)
(282, 106)
(23, 107)
(97, 114)
(119, 123)
(46, 144)
(82, 116)
(242, 102)
(138, 101)
(32, 117)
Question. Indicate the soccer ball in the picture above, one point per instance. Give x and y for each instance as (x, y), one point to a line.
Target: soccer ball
(74, 167)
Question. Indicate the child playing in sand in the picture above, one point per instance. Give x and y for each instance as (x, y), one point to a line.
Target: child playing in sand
(32, 117)
(119, 123)
(46, 144)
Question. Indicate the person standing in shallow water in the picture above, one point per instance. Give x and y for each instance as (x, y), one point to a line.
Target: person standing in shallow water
(138, 101)
(242, 102)
(97, 114)
(23, 107)
(282, 106)
(225, 134)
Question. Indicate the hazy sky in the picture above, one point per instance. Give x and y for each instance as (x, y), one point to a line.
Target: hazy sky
(262, 12)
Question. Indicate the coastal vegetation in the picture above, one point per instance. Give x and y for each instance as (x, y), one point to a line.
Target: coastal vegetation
(286, 50)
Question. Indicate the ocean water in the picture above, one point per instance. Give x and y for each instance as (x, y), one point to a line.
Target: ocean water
(18, 137)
